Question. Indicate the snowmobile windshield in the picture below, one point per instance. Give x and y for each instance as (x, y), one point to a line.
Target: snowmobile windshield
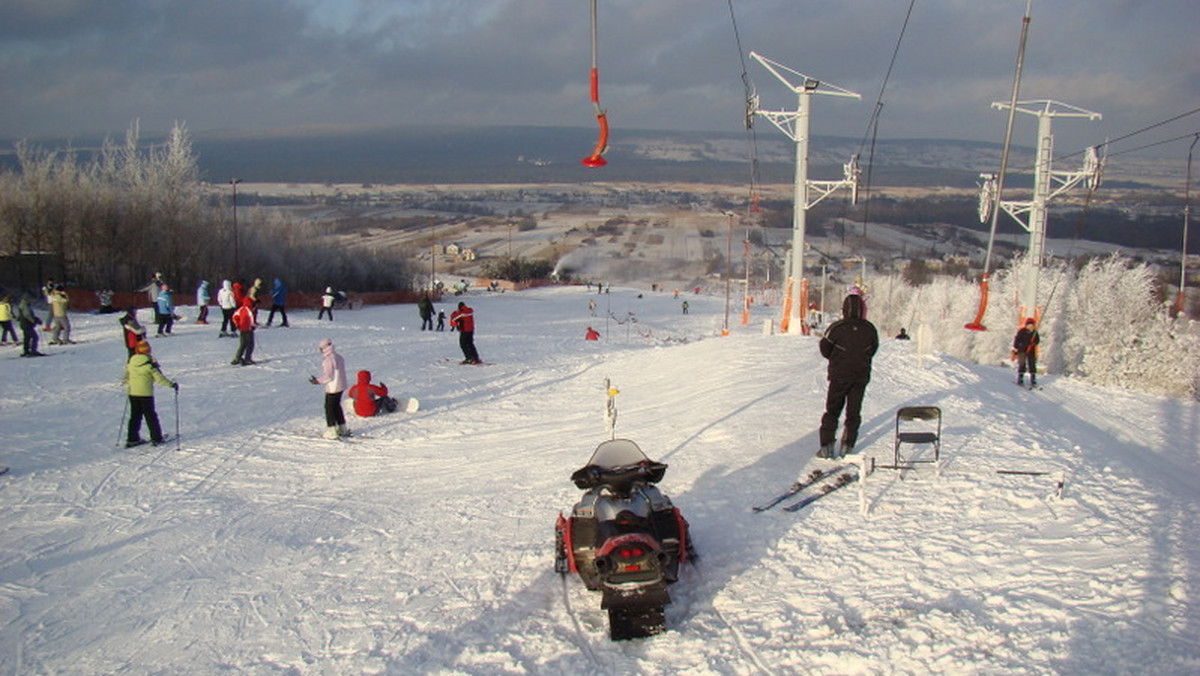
(617, 453)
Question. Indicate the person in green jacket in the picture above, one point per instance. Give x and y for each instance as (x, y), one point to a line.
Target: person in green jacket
(141, 372)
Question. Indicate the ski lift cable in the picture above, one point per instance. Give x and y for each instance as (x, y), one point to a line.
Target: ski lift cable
(1151, 145)
(1139, 131)
(596, 159)
(748, 91)
(873, 124)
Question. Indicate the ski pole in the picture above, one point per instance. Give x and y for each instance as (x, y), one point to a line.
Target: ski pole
(124, 412)
(177, 416)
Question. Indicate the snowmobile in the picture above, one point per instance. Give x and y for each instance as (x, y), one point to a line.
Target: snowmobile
(624, 538)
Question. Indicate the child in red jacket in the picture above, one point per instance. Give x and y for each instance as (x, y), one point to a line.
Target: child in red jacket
(370, 399)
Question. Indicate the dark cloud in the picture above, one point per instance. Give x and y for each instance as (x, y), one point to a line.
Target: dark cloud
(79, 67)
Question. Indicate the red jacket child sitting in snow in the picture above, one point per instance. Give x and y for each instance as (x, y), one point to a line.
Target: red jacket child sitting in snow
(368, 398)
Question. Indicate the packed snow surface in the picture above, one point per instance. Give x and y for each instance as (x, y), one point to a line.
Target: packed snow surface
(425, 545)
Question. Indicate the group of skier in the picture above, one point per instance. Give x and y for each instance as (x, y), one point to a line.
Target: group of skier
(462, 320)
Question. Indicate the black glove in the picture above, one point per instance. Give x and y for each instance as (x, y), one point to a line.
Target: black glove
(175, 386)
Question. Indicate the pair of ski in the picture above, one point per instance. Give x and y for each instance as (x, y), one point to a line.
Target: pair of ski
(818, 479)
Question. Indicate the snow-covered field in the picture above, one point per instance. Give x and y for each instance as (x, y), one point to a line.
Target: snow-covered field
(426, 544)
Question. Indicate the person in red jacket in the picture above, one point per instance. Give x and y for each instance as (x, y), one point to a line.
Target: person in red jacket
(592, 334)
(370, 399)
(463, 319)
(243, 319)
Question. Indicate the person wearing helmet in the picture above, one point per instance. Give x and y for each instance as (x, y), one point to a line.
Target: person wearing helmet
(141, 372)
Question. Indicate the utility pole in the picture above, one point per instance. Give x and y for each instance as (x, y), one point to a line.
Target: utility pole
(795, 125)
(237, 262)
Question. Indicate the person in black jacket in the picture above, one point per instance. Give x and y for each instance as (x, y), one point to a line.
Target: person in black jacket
(849, 344)
(1025, 350)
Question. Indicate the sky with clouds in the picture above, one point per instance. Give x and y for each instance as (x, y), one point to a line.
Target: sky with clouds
(86, 67)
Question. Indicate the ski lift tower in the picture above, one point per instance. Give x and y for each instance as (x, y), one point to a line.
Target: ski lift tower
(795, 125)
(1047, 184)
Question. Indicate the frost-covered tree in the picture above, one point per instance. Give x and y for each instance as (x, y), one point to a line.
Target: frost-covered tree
(1103, 323)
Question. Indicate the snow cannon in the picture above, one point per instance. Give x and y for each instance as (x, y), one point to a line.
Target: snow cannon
(624, 538)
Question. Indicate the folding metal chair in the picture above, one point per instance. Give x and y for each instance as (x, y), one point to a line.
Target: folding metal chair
(918, 425)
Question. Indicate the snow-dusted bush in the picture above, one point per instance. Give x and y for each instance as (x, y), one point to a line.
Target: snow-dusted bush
(1120, 336)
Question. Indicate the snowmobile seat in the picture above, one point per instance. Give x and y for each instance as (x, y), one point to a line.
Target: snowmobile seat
(918, 425)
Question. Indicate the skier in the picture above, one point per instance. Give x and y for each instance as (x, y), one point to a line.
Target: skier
(592, 334)
(228, 303)
(244, 320)
(1025, 351)
(133, 330)
(333, 377)
(28, 321)
(425, 309)
(370, 399)
(463, 319)
(60, 323)
(849, 344)
(165, 310)
(685, 307)
(278, 302)
(6, 324)
(152, 290)
(327, 299)
(441, 320)
(141, 372)
(202, 298)
(255, 294)
(104, 296)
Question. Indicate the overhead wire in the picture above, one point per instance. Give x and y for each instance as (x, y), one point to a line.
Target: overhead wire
(873, 124)
(1131, 134)
(751, 104)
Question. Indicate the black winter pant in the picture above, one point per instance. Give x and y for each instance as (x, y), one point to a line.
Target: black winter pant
(227, 320)
(29, 338)
(139, 408)
(333, 409)
(848, 395)
(245, 351)
(466, 340)
(282, 313)
(1026, 362)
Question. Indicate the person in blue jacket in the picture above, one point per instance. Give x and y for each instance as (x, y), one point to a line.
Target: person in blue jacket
(166, 310)
(278, 302)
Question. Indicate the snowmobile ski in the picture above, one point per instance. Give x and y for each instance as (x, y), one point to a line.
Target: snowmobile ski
(814, 477)
(842, 481)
